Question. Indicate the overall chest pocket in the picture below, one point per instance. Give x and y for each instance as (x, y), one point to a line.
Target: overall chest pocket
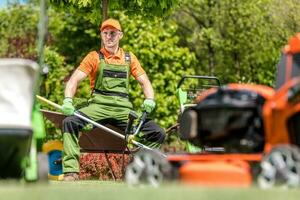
(114, 84)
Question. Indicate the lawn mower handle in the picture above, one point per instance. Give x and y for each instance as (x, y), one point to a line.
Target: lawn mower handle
(199, 77)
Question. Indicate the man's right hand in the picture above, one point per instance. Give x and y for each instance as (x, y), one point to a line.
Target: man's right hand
(67, 107)
(148, 105)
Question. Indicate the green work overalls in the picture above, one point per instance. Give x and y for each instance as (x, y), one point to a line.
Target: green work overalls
(109, 100)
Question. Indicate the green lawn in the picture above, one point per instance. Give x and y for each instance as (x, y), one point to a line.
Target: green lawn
(85, 190)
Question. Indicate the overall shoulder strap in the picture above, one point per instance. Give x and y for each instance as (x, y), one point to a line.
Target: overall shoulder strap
(101, 56)
(128, 62)
(99, 74)
(127, 57)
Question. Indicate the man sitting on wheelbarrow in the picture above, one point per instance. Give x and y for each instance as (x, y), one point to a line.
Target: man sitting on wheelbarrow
(109, 70)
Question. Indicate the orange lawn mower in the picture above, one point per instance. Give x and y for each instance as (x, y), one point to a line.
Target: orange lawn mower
(255, 127)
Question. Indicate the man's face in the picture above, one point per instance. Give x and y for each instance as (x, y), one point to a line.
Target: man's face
(111, 36)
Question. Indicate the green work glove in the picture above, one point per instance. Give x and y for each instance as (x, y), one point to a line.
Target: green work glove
(148, 105)
(67, 107)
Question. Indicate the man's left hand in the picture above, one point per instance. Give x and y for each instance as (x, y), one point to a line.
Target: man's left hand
(148, 105)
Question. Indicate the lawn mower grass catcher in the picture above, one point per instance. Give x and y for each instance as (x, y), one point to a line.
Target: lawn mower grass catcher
(256, 126)
(21, 124)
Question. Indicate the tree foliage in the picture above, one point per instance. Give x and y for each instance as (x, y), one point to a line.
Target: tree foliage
(18, 32)
(145, 8)
(72, 34)
(238, 41)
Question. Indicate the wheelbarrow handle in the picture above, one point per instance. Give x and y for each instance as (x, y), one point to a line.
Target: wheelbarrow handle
(59, 107)
(82, 117)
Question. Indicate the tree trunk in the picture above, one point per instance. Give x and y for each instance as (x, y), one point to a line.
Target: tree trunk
(104, 13)
(104, 9)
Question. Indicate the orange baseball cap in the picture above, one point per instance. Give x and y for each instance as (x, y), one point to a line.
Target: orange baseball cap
(111, 22)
